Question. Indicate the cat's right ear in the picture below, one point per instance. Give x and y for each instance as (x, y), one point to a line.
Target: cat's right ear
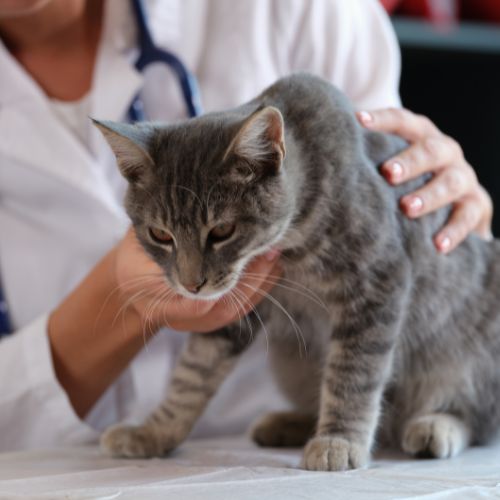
(129, 144)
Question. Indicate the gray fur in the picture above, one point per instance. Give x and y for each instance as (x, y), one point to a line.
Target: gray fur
(386, 332)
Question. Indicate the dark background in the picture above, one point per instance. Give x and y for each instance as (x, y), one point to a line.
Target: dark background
(452, 75)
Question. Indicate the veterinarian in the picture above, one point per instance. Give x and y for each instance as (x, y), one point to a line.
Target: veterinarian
(80, 349)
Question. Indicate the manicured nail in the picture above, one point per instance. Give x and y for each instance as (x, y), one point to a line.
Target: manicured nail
(365, 118)
(272, 254)
(395, 171)
(414, 204)
(443, 243)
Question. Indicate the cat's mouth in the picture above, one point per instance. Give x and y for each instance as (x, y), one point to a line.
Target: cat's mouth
(208, 292)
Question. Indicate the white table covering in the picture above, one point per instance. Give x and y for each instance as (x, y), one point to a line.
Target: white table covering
(233, 468)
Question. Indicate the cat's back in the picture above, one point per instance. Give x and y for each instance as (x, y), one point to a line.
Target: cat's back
(306, 92)
(310, 105)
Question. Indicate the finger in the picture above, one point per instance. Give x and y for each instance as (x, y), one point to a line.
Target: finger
(427, 155)
(483, 229)
(399, 121)
(446, 187)
(464, 218)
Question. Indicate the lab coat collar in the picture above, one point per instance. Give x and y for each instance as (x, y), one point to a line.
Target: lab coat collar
(115, 83)
(24, 87)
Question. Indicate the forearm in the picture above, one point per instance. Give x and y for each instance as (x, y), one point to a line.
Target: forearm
(93, 336)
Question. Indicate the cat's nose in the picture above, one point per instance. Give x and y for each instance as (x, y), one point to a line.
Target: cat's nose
(194, 287)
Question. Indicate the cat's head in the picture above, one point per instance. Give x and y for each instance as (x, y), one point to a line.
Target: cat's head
(206, 195)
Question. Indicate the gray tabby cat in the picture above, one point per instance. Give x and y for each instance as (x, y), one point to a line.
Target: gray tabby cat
(392, 324)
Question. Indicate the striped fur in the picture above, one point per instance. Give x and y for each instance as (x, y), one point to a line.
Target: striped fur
(372, 334)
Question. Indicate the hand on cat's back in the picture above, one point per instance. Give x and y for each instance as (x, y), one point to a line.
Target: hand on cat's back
(454, 180)
(143, 287)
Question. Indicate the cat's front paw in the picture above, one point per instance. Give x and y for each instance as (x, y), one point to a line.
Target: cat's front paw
(325, 453)
(135, 442)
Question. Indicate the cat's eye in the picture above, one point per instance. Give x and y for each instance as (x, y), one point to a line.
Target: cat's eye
(160, 236)
(221, 232)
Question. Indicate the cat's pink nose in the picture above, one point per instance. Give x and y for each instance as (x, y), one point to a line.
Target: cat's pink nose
(194, 287)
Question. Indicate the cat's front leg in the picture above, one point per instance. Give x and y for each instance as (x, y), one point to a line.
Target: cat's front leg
(355, 372)
(203, 365)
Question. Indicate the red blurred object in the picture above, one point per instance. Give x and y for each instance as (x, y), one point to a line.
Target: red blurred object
(446, 11)
(443, 12)
(417, 8)
(481, 10)
(390, 5)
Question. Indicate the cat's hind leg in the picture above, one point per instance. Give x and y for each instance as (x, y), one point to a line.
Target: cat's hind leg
(283, 429)
(436, 435)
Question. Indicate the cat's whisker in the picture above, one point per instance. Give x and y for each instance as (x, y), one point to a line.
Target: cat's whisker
(148, 292)
(164, 318)
(152, 197)
(254, 309)
(277, 283)
(243, 301)
(119, 288)
(140, 294)
(144, 292)
(239, 305)
(146, 285)
(148, 317)
(277, 303)
(140, 279)
(191, 192)
(208, 197)
(161, 299)
(229, 299)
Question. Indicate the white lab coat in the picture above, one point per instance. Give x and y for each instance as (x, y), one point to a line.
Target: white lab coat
(60, 202)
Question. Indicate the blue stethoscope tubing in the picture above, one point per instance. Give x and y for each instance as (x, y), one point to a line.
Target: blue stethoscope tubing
(5, 324)
(149, 53)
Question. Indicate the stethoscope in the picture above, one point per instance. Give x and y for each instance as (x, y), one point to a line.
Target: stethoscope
(149, 53)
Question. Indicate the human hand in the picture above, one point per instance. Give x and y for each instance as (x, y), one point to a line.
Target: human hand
(454, 180)
(143, 287)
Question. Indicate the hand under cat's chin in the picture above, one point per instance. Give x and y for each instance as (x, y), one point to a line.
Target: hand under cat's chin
(208, 295)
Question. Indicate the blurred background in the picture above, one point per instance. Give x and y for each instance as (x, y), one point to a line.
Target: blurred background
(451, 73)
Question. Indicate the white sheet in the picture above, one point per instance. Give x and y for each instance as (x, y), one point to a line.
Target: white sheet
(233, 468)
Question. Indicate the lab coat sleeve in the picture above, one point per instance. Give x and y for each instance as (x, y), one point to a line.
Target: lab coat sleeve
(352, 44)
(33, 406)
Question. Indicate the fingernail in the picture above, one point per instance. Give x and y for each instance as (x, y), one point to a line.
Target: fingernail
(414, 204)
(365, 118)
(272, 254)
(443, 243)
(395, 171)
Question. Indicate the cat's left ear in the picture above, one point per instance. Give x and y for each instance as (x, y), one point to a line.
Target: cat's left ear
(260, 141)
(129, 144)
